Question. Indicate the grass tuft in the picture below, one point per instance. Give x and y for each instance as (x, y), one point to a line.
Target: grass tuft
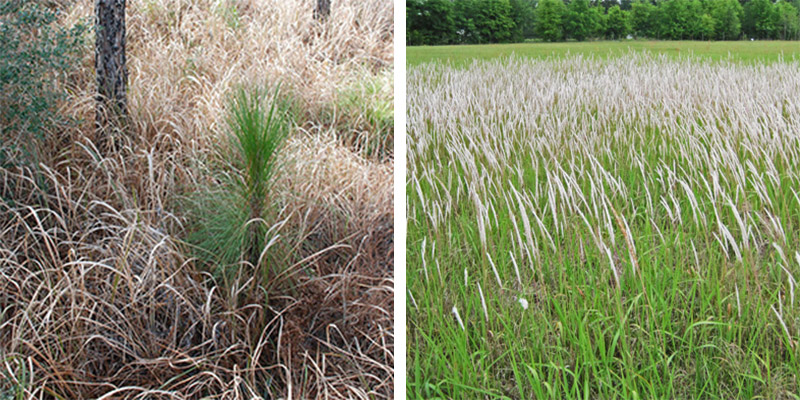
(363, 114)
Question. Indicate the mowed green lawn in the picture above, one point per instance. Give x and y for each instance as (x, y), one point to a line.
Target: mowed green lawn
(739, 50)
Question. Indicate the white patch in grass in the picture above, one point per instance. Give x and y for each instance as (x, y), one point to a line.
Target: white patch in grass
(523, 303)
(458, 318)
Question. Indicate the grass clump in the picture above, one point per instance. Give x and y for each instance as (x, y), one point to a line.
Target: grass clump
(364, 116)
(233, 214)
(229, 11)
(13, 380)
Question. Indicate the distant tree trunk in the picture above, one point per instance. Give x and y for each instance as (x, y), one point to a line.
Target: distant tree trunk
(322, 10)
(112, 74)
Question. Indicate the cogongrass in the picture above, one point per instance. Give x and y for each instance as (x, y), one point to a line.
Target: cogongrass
(101, 299)
(645, 208)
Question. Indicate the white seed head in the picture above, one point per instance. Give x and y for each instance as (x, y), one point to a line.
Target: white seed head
(458, 318)
(483, 303)
(523, 303)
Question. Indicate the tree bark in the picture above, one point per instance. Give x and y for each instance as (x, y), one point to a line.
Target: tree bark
(322, 10)
(112, 73)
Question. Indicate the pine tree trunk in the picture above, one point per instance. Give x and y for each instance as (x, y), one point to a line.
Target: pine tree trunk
(112, 73)
(322, 10)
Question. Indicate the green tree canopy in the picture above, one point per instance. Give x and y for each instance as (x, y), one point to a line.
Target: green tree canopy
(787, 21)
(581, 20)
(429, 21)
(522, 14)
(706, 27)
(759, 19)
(644, 19)
(727, 16)
(492, 21)
(549, 18)
(617, 25)
(500, 21)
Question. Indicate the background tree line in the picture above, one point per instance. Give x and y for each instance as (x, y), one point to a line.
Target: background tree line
(432, 22)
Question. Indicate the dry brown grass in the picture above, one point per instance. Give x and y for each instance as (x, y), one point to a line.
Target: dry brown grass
(99, 296)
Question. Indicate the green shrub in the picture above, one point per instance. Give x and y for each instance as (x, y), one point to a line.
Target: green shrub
(34, 54)
(231, 216)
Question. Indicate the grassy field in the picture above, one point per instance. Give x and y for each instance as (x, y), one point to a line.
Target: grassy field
(604, 228)
(739, 50)
(236, 241)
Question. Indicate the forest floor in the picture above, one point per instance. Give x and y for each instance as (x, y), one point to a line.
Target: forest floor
(108, 286)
